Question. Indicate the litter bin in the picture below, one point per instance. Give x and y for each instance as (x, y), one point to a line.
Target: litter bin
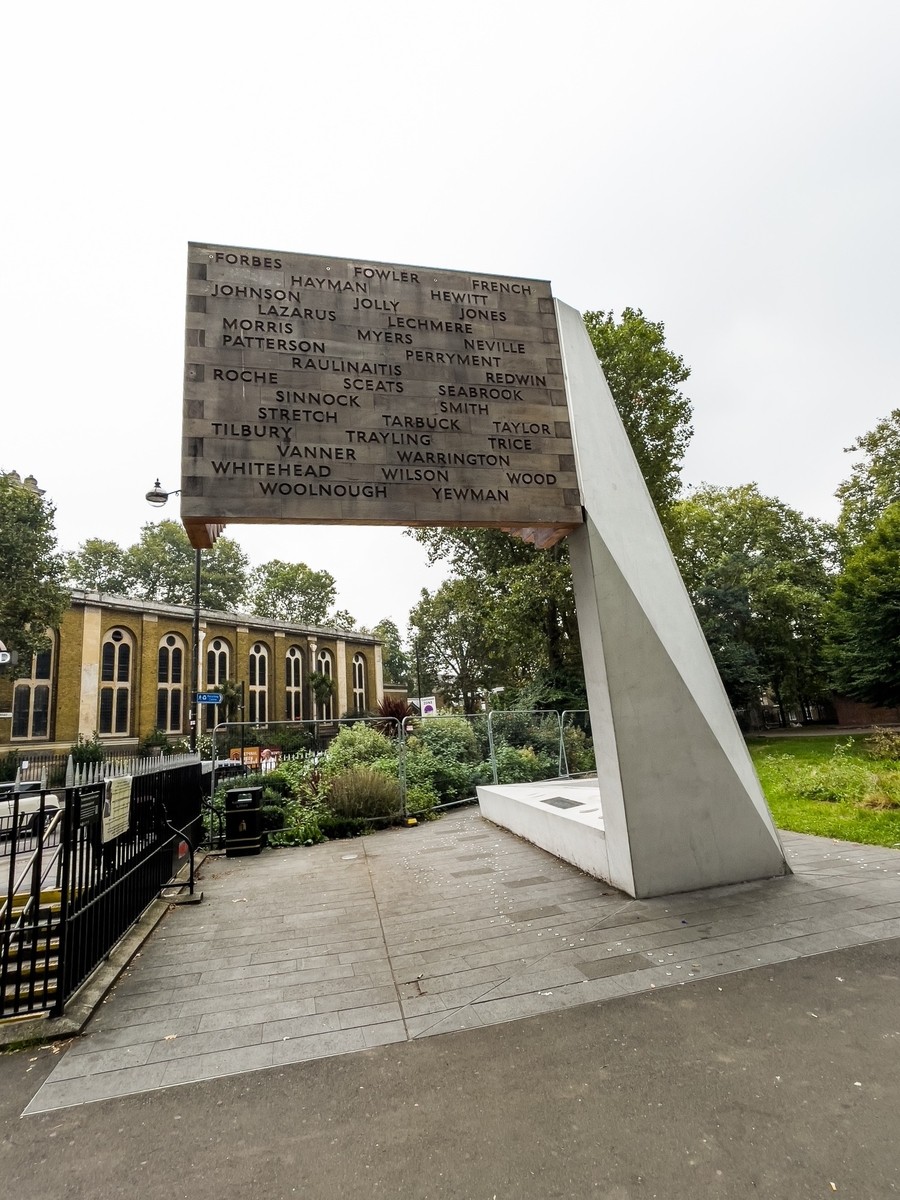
(243, 821)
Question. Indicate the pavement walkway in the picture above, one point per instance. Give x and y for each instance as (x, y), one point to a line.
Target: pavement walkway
(302, 954)
(780, 1083)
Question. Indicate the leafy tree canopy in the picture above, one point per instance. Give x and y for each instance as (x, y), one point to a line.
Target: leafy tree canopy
(395, 662)
(293, 592)
(874, 482)
(455, 653)
(99, 565)
(756, 572)
(32, 597)
(341, 619)
(528, 634)
(864, 629)
(160, 566)
(644, 378)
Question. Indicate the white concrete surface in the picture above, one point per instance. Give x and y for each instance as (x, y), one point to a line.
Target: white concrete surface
(682, 806)
(576, 835)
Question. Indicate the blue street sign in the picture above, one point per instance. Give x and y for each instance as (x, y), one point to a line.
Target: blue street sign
(209, 697)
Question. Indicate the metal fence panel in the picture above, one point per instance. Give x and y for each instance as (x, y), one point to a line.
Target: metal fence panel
(29, 907)
(106, 886)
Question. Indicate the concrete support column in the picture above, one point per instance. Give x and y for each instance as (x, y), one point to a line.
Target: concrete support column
(682, 806)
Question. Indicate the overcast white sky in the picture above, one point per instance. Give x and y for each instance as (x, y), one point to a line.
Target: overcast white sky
(731, 169)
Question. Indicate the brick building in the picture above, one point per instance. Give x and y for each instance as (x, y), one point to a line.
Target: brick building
(123, 668)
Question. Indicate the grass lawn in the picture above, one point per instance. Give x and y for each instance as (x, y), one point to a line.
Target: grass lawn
(830, 786)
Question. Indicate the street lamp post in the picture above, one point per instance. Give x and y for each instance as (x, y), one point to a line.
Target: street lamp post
(157, 497)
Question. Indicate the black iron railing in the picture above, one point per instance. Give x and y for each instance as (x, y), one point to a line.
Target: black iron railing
(67, 896)
(29, 904)
(106, 886)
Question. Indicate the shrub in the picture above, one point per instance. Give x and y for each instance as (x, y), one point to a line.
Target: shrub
(393, 709)
(883, 743)
(158, 739)
(879, 801)
(87, 750)
(272, 817)
(363, 792)
(512, 727)
(302, 823)
(9, 766)
(544, 735)
(447, 778)
(447, 737)
(288, 739)
(357, 746)
(276, 783)
(420, 800)
(331, 826)
(155, 740)
(518, 766)
(579, 750)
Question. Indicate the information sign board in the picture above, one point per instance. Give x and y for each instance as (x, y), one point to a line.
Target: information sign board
(90, 803)
(326, 390)
(116, 808)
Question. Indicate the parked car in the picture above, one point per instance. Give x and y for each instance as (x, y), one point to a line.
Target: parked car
(25, 799)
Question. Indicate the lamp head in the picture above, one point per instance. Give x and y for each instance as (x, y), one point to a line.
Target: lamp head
(157, 497)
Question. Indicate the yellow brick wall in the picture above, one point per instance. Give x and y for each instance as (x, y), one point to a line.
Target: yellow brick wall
(147, 629)
(67, 687)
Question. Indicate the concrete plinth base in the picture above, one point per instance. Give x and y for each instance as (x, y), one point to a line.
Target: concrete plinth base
(564, 818)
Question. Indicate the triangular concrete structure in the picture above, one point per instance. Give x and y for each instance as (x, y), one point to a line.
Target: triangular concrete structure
(682, 806)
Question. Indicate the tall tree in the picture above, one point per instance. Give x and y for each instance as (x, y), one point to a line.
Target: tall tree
(395, 661)
(291, 592)
(160, 566)
(530, 634)
(864, 625)
(874, 482)
(342, 619)
(454, 649)
(644, 377)
(757, 573)
(32, 596)
(99, 565)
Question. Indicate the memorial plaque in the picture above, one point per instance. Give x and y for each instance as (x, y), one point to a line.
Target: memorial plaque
(563, 802)
(90, 802)
(323, 390)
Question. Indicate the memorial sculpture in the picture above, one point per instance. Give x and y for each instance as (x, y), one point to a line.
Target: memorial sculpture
(323, 390)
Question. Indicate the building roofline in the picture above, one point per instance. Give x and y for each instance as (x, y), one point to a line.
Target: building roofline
(80, 597)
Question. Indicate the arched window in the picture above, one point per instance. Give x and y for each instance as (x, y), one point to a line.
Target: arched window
(359, 683)
(170, 679)
(259, 682)
(293, 684)
(325, 666)
(115, 683)
(31, 697)
(218, 670)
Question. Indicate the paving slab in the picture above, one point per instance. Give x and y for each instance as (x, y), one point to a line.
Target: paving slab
(301, 954)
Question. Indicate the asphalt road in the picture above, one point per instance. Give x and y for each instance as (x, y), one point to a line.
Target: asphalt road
(780, 1082)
